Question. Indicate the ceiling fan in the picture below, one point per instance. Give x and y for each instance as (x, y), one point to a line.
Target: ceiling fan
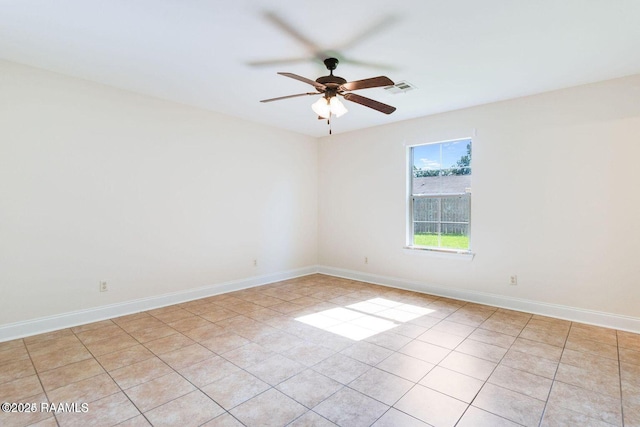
(331, 86)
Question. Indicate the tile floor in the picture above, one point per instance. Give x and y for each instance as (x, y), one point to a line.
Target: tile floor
(324, 351)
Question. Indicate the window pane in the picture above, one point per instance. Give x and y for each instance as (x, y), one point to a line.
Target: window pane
(454, 236)
(440, 188)
(426, 209)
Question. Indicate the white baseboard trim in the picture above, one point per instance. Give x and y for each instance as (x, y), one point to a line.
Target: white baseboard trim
(80, 317)
(608, 320)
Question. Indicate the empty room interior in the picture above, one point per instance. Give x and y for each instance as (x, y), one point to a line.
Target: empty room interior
(429, 220)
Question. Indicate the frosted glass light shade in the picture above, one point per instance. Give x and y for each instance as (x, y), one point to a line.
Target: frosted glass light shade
(321, 107)
(337, 108)
(324, 107)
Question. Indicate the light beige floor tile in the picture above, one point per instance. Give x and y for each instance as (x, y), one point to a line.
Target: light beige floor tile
(208, 371)
(140, 372)
(382, 386)
(20, 419)
(168, 344)
(64, 375)
(586, 402)
(548, 337)
(275, 369)
(405, 366)
(45, 361)
(271, 408)
(476, 417)
(137, 421)
(536, 348)
(126, 357)
(555, 416)
(424, 351)
(235, 389)
(174, 316)
(19, 389)
(441, 339)
(109, 410)
(159, 391)
(202, 333)
(224, 342)
(522, 382)
(629, 340)
(248, 355)
(308, 353)
(389, 340)
(468, 365)
(16, 369)
(192, 409)
(186, 356)
(630, 356)
(341, 368)
(508, 404)
(109, 346)
(311, 419)
(239, 333)
(530, 363)
(595, 380)
(589, 361)
(368, 353)
(593, 347)
(431, 407)
(224, 420)
(492, 337)
(309, 387)
(395, 418)
(453, 328)
(350, 408)
(189, 323)
(451, 383)
(279, 341)
(86, 390)
(490, 352)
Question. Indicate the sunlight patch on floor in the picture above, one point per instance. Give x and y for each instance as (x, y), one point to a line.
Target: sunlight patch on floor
(364, 319)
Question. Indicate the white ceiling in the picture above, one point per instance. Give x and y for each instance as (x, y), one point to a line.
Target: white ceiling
(458, 53)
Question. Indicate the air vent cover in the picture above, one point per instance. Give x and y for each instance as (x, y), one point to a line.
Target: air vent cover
(400, 87)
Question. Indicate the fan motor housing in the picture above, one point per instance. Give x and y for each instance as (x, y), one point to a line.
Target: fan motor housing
(331, 80)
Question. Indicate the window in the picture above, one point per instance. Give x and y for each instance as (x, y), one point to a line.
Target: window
(440, 195)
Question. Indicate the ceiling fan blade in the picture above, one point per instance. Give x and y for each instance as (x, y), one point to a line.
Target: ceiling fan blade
(287, 28)
(368, 64)
(272, 62)
(368, 102)
(379, 81)
(313, 83)
(289, 96)
(374, 28)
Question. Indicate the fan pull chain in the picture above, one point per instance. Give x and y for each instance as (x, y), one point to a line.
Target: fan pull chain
(329, 122)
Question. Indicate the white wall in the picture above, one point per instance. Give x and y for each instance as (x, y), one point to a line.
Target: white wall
(555, 199)
(98, 184)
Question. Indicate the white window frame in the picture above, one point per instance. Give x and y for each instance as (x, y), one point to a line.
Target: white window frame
(411, 197)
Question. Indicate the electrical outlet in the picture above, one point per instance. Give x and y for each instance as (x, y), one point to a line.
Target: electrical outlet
(103, 287)
(255, 262)
(366, 260)
(513, 280)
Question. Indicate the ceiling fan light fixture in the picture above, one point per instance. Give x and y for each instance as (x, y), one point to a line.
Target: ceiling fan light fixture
(337, 108)
(321, 107)
(324, 107)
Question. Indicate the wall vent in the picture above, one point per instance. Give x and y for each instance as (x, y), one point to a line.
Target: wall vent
(400, 87)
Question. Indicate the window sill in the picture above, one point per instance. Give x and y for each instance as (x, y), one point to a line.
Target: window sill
(440, 253)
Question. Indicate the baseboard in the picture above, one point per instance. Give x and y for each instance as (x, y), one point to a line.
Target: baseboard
(608, 320)
(66, 320)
